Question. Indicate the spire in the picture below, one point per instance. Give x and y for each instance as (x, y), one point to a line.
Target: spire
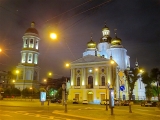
(136, 64)
(115, 32)
(105, 24)
(91, 36)
(32, 24)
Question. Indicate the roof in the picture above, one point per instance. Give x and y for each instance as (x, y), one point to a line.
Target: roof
(32, 29)
(90, 58)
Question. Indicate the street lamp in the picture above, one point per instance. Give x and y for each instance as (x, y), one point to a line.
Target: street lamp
(50, 74)
(53, 36)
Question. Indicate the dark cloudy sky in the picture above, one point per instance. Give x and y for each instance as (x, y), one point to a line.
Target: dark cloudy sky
(137, 23)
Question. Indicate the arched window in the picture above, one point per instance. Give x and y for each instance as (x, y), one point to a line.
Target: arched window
(90, 82)
(78, 81)
(103, 70)
(103, 81)
(37, 44)
(30, 58)
(31, 44)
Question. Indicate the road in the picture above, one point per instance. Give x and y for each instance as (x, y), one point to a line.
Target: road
(34, 111)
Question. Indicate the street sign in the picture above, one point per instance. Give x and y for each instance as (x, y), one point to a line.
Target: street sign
(122, 87)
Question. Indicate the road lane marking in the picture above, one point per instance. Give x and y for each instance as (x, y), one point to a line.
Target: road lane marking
(6, 115)
(51, 117)
(78, 116)
(142, 110)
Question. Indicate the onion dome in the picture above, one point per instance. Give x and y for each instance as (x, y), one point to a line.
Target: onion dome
(91, 44)
(32, 29)
(116, 41)
(105, 28)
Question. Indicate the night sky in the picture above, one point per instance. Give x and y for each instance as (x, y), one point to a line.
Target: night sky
(137, 23)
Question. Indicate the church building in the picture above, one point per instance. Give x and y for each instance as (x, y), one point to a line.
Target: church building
(28, 75)
(102, 67)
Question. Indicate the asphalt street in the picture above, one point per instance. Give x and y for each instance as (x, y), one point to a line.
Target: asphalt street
(33, 110)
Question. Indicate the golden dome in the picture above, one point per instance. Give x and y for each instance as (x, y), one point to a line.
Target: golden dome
(116, 41)
(91, 44)
(105, 28)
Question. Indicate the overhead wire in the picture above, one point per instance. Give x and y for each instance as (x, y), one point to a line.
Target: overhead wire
(92, 8)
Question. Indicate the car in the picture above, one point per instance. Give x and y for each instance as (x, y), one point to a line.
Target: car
(55, 100)
(117, 102)
(125, 103)
(103, 102)
(85, 102)
(75, 101)
(154, 104)
(146, 103)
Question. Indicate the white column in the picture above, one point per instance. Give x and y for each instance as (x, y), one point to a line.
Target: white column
(84, 76)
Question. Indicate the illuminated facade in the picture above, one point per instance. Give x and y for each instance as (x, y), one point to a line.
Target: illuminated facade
(28, 75)
(91, 74)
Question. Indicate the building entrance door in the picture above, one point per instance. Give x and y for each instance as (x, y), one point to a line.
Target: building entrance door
(102, 96)
(77, 96)
(90, 96)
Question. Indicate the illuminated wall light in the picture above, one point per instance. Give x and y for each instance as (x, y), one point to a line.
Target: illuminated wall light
(109, 82)
(90, 70)
(72, 83)
(96, 83)
(96, 69)
(83, 82)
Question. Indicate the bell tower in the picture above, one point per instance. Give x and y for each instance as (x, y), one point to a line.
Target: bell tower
(28, 67)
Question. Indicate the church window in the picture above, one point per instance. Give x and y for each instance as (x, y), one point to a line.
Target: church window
(31, 43)
(35, 75)
(30, 58)
(78, 71)
(90, 82)
(36, 44)
(103, 81)
(133, 97)
(124, 97)
(103, 70)
(78, 81)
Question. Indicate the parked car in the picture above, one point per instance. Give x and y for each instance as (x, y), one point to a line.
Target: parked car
(55, 101)
(103, 102)
(148, 104)
(117, 102)
(154, 104)
(75, 101)
(125, 103)
(85, 102)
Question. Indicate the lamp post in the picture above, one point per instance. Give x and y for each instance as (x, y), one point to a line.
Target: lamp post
(32, 92)
(111, 90)
(64, 94)
(158, 84)
(107, 86)
(47, 88)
